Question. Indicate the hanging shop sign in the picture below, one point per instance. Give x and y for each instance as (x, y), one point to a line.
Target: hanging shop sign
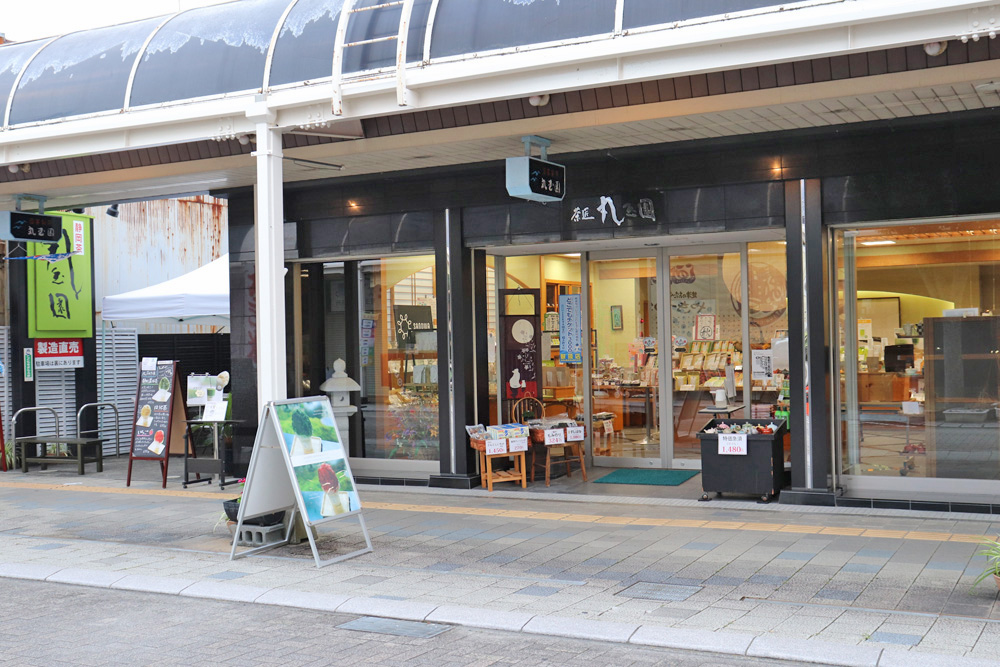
(61, 292)
(299, 465)
(535, 179)
(408, 321)
(570, 329)
(59, 353)
(20, 226)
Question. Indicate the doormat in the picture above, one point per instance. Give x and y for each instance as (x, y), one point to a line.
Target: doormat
(651, 477)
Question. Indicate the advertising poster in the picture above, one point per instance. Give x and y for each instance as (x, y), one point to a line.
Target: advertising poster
(202, 389)
(318, 459)
(61, 293)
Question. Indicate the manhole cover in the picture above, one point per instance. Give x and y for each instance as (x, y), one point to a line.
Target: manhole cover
(390, 626)
(645, 590)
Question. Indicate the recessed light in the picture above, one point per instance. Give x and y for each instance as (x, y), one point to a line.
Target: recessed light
(885, 242)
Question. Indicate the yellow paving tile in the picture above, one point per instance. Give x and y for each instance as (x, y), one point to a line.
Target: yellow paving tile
(589, 518)
(687, 523)
(765, 527)
(550, 516)
(898, 534)
(972, 539)
(853, 532)
(933, 537)
(516, 514)
(617, 520)
(653, 522)
(724, 525)
(797, 528)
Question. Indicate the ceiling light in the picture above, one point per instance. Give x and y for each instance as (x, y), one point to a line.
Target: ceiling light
(113, 210)
(934, 49)
(538, 100)
(884, 242)
(571, 254)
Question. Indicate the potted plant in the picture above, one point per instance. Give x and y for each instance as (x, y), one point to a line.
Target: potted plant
(991, 550)
(231, 508)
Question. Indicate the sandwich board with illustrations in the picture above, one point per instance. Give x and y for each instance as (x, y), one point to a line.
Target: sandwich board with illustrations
(299, 465)
(158, 422)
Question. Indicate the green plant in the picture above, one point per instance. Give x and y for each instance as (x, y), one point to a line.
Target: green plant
(301, 424)
(991, 550)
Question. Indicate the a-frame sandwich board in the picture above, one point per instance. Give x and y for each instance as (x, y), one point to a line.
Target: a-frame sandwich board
(299, 465)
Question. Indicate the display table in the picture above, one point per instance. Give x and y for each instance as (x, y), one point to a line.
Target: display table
(81, 444)
(488, 476)
(214, 466)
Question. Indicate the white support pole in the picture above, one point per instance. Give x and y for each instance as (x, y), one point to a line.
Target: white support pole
(270, 267)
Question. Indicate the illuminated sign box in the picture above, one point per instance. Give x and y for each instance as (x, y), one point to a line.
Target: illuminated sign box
(535, 179)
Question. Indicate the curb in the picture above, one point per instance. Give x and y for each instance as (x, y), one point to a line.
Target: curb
(702, 641)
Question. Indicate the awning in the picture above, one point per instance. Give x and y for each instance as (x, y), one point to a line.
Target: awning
(198, 297)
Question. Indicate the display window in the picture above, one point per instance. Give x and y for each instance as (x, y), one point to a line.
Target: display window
(918, 350)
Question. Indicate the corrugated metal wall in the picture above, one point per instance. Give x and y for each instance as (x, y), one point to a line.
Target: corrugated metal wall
(153, 241)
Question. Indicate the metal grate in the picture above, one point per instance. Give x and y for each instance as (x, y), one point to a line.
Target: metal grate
(388, 626)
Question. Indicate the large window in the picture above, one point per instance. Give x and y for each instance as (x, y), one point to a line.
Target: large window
(919, 350)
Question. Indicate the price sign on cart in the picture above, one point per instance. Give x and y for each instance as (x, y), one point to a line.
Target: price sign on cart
(733, 444)
(518, 444)
(555, 436)
(498, 446)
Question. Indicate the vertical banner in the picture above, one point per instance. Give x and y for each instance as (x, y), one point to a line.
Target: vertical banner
(61, 292)
(570, 329)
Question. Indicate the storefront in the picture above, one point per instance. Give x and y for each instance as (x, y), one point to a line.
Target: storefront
(804, 254)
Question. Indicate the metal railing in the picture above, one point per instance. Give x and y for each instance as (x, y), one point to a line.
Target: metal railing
(118, 433)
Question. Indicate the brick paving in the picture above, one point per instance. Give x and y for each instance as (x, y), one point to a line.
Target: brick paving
(899, 581)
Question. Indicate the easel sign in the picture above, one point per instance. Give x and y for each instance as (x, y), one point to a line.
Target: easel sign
(158, 422)
(299, 463)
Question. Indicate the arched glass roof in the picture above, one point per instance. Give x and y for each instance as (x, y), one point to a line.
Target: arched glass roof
(225, 49)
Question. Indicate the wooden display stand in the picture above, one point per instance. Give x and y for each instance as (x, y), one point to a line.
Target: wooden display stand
(488, 477)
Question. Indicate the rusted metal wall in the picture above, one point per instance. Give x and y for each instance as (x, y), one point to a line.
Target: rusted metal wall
(153, 241)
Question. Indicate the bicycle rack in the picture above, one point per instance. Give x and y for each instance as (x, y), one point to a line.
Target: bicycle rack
(13, 421)
(118, 434)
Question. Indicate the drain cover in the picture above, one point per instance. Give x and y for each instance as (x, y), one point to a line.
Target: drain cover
(390, 626)
(645, 590)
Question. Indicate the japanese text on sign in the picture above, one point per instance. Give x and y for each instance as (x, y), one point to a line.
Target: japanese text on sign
(517, 444)
(555, 436)
(570, 329)
(574, 433)
(497, 446)
(733, 444)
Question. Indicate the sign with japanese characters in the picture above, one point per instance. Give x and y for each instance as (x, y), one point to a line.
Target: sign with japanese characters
(614, 209)
(59, 353)
(61, 292)
(535, 179)
(733, 444)
(570, 329)
(19, 226)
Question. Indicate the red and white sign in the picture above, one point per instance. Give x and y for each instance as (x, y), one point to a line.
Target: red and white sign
(496, 446)
(518, 444)
(574, 433)
(555, 436)
(59, 353)
(78, 246)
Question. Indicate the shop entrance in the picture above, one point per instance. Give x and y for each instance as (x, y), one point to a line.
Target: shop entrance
(725, 310)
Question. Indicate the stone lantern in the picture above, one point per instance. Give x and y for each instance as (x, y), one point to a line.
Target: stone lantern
(338, 389)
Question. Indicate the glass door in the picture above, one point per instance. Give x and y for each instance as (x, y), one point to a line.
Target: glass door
(708, 332)
(625, 391)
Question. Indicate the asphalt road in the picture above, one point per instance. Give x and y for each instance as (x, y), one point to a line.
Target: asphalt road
(56, 624)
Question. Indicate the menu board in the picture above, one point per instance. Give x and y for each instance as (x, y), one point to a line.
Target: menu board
(152, 415)
(318, 460)
(157, 424)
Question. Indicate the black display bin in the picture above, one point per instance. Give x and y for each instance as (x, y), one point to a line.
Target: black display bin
(761, 472)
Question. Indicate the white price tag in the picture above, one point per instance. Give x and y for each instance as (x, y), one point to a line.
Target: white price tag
(555, 436)
(574, 433)
(733, 444)
(149, 363)
(498, 446)
(518, 444)
(609, 426)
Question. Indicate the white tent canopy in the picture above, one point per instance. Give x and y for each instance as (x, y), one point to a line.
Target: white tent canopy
(198, 297)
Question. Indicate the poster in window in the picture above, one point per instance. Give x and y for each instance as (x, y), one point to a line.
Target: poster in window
(521, 357)
(408, 321)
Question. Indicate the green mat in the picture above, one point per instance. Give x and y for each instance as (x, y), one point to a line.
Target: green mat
(644, 476)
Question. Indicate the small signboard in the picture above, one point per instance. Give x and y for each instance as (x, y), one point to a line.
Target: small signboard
(733, 444)
(215, 412)
(496, 446)
(408, 321)
(609, 426)
(574, 433)
(29, 365)
(704, 328)
(555, 436)
(204, 389)
(21, 226)
(158, 422)
(59, 353)
(299, 464)
(517, 444)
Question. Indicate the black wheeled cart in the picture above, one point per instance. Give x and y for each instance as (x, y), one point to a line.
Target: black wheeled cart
(756, 468)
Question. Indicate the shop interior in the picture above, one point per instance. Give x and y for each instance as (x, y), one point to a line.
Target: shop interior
(920, 361)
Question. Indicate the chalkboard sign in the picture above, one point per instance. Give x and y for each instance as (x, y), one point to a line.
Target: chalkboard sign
(157, 414)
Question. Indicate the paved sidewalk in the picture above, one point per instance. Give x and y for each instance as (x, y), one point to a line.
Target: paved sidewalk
(844, 587)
